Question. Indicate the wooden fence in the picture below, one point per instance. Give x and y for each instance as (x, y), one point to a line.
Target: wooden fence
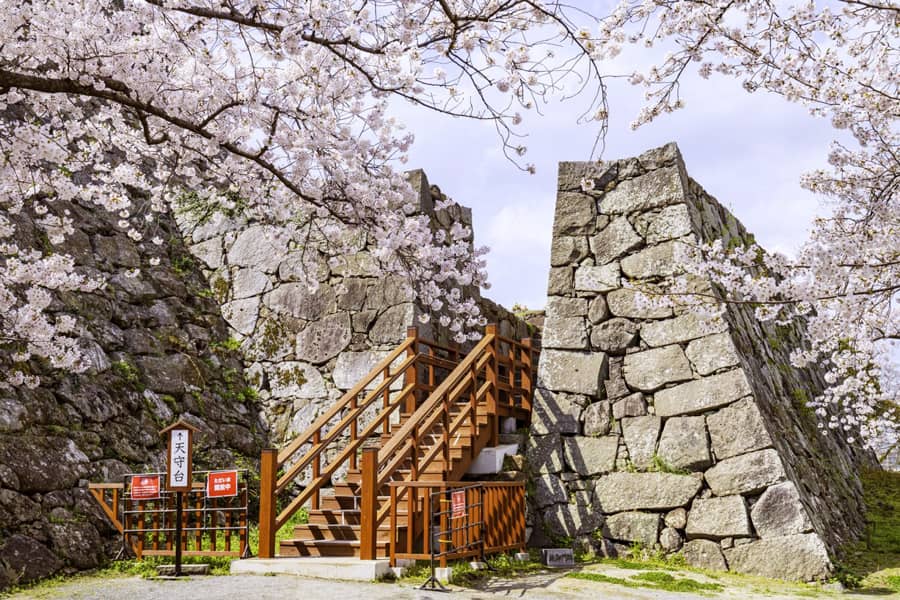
(451, 520)
(210, 526)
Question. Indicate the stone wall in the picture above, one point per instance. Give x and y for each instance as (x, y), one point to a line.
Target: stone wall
(654, 426)
(304, 349)
(158, 350)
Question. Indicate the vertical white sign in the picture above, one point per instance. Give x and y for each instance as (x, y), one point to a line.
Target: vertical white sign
(178, 458)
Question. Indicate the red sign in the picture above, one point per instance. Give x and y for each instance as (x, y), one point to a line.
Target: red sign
(222, 484)
(458, 502)
(145, 487)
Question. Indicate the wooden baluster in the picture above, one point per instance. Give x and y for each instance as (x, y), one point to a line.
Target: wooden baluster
(414, 454)
(446, 440)
(184, 525)
(213, 523)
(411, 376)
(243, 522)
(140, 529)
(427, 519)
(526, 374)
(412, 517)
(473, 410)
(198, 525)
(354, 430)
(386, 401)
(431, 379)
(368, 504)
(267, 509)
(442, 535)
(392, 552)
(491, 375)
(316, 468)
(156, 525)
(115, 503)
(229, 523)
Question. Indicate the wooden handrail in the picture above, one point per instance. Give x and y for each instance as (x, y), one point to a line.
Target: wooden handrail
(323, 420)
(433, 400)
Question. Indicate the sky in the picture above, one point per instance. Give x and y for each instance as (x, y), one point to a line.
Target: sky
(747, 150)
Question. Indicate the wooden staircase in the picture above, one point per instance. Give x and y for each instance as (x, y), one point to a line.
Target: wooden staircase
(430, 428)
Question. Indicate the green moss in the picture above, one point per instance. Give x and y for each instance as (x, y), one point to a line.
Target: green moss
(128, 372)
(661, 466)
(221, 289)
(653, 579)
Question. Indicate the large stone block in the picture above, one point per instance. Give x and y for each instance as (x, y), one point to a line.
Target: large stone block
(596, 418)
(575, 213)
(614, 336)
(737, 429)
(712, 353)
(651, 369)
(545, 453)
(560, 281)
(558, 306)
(293, 379)
(633, 405)
(718, 518)
(323, 339)
(249, 282)
(702, 395)
(634, 304)
(589, 456)
(640, 435)
(554, 412)
(639, 527)
(549, 489)
(570, 520)
(745, 474)
(654, 189)
(351, 367)
(669, 223)
(259, 247)
(242, 314)
(390, 326)
(618, 492)
(570, 371)
(663, 260)
(680, 329)
(568, 250)
(597, 279)
(684, 444)
(568, 333)
(297, 300)
(614, 240)
(780, 512)
(704, 554)
(796, 557)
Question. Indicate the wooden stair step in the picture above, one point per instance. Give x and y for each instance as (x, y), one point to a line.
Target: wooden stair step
(327, 548)
(348, 517)
(339, 532)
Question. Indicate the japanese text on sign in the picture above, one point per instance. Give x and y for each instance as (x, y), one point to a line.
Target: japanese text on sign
(221, 484)
(458, 502)
(145, 487)
(179, 475)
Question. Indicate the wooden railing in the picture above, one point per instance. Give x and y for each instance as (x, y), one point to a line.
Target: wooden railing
(491, 519)
(413, 367)
(493, 380)
(210, 526)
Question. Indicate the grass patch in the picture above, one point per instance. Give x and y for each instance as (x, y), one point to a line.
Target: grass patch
(874, 563)
(655, 580)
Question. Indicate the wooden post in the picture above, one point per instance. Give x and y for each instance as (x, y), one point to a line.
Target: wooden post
(491, 376)
(268, 466)
(368, 504)
(527, 374)
(412, 372)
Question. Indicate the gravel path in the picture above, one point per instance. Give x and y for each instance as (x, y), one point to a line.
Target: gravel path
(540, 586)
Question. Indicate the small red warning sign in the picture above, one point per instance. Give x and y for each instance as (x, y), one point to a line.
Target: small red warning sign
(221, 484)
(458, 502)
(145, 487)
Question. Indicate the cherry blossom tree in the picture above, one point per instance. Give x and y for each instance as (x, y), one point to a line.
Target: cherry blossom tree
(280, 109)
(285, 108)
(842, 61)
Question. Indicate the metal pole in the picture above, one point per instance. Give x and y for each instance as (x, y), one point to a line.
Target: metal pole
(178, 534)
